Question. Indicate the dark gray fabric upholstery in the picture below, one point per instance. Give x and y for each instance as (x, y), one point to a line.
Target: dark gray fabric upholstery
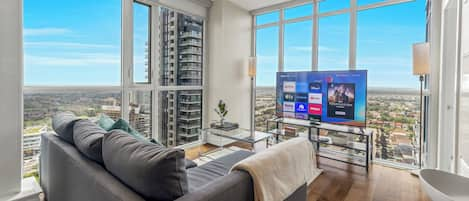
(88, 138)
(236, 186)
(155, 172)
(62, 123)
(190, 164)
(200, 176)
(67, 175)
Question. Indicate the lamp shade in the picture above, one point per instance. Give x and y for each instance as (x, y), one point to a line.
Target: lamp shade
(421, 58)
(252, 66)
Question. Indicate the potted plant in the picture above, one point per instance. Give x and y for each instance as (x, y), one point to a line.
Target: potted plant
(221, 111)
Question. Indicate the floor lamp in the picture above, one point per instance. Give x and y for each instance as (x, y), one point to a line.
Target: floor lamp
(252, 75)
(421, 67)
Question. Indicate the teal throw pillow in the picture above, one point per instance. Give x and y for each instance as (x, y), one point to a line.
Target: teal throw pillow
(105, 122)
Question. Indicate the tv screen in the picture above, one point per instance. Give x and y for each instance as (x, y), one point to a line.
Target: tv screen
(337, 97)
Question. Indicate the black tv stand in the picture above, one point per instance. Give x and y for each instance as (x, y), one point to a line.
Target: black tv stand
(353, 151)
(315, 122)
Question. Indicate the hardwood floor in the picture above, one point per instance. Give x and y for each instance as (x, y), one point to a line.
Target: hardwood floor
(343, 182)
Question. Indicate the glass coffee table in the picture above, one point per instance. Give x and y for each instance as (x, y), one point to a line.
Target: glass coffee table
(240, 135)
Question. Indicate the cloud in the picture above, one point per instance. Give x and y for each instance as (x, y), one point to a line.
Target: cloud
(326, 49)
(45, 31)
(267, 59)
(373, 41)
(302, 48)
(75, 60)
(384, 61)
(67, 45)
(309, 48)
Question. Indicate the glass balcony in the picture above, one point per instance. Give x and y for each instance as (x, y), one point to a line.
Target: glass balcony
(191, 59)
(190, 67)
(191, 74)
(191, 34)
(191, 51)
(191, 43)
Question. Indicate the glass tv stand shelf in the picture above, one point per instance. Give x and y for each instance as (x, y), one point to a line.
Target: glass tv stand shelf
(346, 144)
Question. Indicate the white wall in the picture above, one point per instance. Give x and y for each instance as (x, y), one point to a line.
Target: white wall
(448, 86)
(463, 165)
(11, 81)
(431, 156)
(229, 38)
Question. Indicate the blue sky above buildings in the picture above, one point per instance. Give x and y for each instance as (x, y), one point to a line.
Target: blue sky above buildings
(79, 42)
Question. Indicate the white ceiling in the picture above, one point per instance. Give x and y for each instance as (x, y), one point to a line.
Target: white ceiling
(256, 4)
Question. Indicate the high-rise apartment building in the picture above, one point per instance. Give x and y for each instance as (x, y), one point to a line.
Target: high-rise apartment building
(182, 45)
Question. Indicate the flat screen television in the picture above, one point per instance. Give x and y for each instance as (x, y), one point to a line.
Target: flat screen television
(337, 97)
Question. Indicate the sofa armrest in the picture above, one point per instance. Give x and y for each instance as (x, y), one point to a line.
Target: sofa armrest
(236, 186)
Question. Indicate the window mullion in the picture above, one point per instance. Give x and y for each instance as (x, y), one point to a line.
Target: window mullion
(353, 35)
(281, 42)
(315, 41)
(127, 54)
(155, 63)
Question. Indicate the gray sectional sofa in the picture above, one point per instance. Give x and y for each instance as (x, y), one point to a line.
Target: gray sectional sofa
(66, 174)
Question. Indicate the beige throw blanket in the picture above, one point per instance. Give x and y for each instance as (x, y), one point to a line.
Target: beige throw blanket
(280, 170)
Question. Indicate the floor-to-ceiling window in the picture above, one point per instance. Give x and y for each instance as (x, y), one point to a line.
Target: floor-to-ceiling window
(180, 75)
(100, 63)
(294, 27)
(72, 63)
(384, 49)
(375, 35)
(297, 38)
(267, 52)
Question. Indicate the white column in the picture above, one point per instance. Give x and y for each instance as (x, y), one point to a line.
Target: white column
(448, 86)
(431, 159)
(11, 96)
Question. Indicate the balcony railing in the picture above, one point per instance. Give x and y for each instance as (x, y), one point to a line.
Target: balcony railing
(191, 43)
(191, 50)
(191, 60)
(191, 35)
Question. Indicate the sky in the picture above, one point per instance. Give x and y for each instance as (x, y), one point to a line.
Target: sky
(79, 42)
(72, 43)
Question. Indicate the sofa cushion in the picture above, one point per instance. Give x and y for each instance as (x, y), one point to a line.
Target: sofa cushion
(62, 123)
(153, 171)
(88, 138)
(206, 173)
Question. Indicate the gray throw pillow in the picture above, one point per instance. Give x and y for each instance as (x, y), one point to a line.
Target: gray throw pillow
(153, 171)
(88, 138)
(62, 123)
